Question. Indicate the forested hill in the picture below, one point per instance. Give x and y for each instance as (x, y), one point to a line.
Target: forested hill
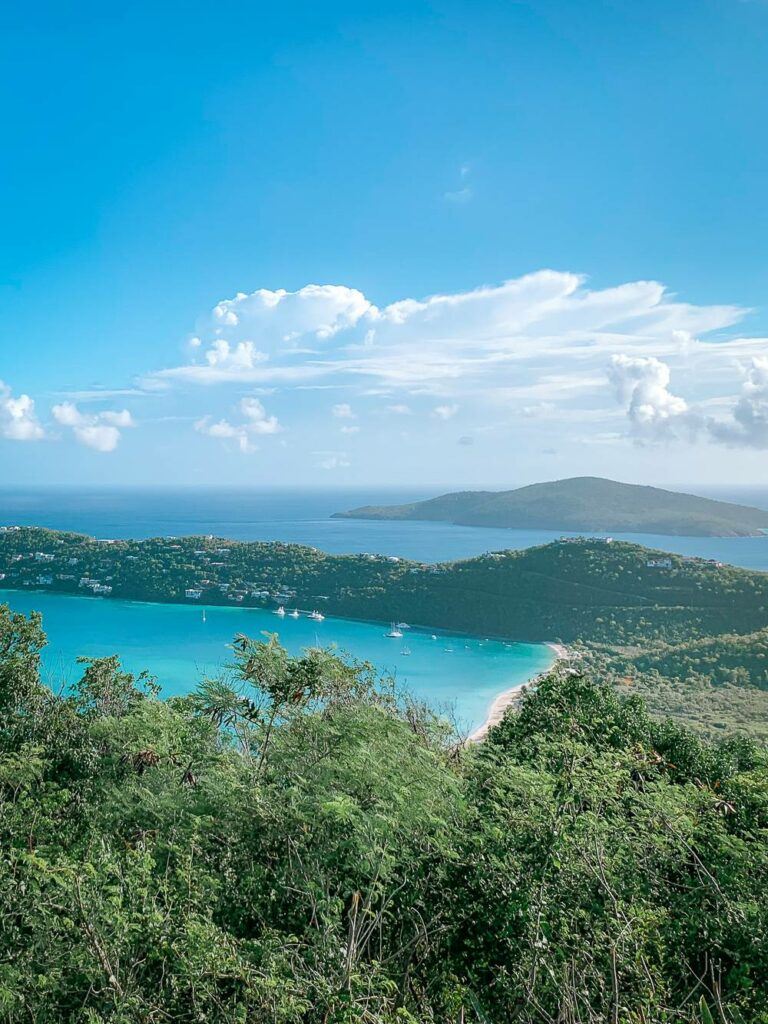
(588, 504)
(580, 589)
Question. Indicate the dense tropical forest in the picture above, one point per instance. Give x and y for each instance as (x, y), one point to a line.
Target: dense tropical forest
(297, 842)
(591, 590)
(582, 504)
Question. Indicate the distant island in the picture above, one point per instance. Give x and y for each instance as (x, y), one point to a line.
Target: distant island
(582, 504)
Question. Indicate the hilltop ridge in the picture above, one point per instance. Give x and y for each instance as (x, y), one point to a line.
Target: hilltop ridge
(589, 504)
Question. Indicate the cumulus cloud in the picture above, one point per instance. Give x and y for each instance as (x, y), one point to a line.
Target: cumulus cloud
(343, 411)
(748, 423)
(642, 386)
(255, 422)
(18, 420)
(100, 431)
(258, 422)
(349, 429)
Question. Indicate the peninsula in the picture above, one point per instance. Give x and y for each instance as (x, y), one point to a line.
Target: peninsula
(590, 589)
(582, 504)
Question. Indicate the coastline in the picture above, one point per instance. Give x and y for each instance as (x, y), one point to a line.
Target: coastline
(508, 697)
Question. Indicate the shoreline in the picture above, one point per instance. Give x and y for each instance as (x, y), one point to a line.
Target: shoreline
(502, 701)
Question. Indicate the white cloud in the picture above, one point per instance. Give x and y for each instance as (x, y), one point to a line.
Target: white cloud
(537, 342)
(748, 424)
(18, 420)
(445, 412)
(100, 431)
(656, 414)
(258, 420)
(506, 335)
(642, 386)
(352, 429)
(256, 423)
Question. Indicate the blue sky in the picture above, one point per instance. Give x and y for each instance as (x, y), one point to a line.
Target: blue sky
(367, 177)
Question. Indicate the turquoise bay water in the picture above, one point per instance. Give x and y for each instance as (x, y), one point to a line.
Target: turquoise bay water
(176, 645)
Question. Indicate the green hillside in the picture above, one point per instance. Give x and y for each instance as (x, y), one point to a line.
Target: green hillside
(569, 590)
(588, 504)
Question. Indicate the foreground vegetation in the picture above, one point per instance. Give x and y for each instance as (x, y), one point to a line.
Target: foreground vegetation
(299, 844)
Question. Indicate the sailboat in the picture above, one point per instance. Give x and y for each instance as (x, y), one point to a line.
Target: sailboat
(405, 651)
(281, 612)
(394, 633)
(317, 616)
(295, 613)
(203, 614)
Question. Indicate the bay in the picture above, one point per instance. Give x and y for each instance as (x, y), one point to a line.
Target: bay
(455, 674)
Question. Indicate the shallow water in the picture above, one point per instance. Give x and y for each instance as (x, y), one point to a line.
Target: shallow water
(175, 644)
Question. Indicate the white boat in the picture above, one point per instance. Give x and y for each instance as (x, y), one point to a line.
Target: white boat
(317, 616)
(203, 614)
(405, 651)
(394, 633)
(281, 612)
(295, 613)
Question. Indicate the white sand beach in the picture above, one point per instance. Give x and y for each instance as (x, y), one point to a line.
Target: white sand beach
(503, 701)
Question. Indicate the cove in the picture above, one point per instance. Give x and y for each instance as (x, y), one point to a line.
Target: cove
(180, 646)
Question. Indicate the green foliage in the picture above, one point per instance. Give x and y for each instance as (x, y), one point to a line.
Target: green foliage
(716, 685)
(299, 843)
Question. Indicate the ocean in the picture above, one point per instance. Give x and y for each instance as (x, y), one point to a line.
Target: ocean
(303, 517)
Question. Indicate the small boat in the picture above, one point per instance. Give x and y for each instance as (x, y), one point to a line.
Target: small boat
(203, 614)
(403, 625)
(394, 633)
(448, 650)
(405, 651)
(294, 614)
(317, 616)
(281, 612)
(434, 636)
